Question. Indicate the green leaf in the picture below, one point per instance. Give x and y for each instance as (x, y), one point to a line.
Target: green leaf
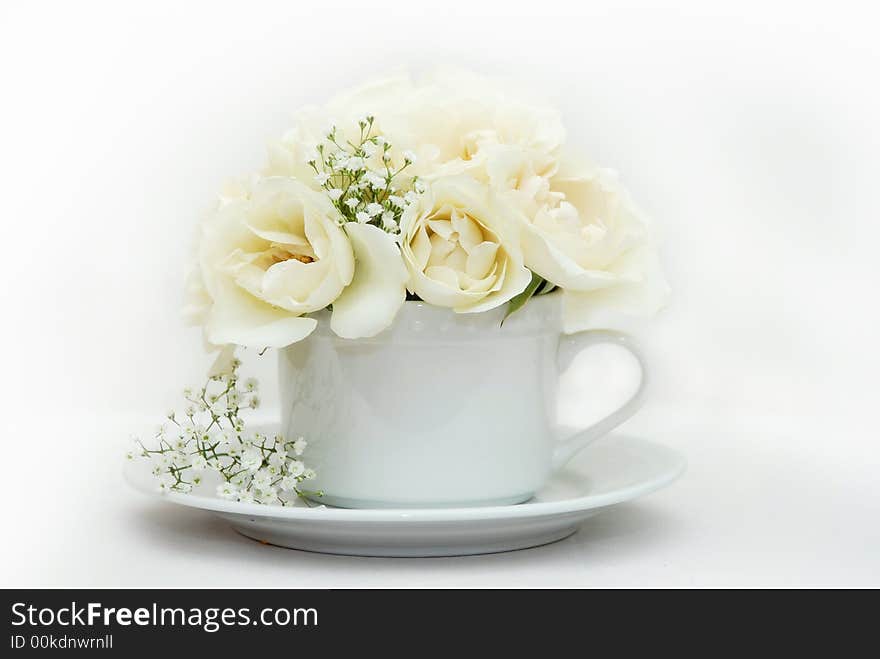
(548, 287)
(518, 301)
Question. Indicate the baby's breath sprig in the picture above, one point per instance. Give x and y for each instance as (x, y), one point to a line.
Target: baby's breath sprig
(209, 436)
(361, 178)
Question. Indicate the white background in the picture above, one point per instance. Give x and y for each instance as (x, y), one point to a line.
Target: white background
(748, 131)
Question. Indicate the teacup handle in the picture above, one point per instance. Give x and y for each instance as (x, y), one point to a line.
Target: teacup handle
(569, 348)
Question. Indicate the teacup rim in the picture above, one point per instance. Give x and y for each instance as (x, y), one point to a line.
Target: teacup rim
(420, 320)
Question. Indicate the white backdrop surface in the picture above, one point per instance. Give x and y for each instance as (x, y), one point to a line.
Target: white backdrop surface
(747, 131)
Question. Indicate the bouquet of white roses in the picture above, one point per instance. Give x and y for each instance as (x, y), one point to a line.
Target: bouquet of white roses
(450, 191)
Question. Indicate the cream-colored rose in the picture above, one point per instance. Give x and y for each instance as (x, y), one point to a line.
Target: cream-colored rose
(275, 252)
(454, 117)
(290, 155)
(459, 243)
(582, 232)
(447, 119)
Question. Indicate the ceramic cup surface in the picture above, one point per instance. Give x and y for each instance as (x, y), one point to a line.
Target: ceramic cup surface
(441, 409)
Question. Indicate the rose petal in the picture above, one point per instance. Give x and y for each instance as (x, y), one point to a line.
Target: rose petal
(554, 265)
(442, 292)
(440, 249)
(641, 291)
(485, 285)
(513, 281)
(441, 227)
(292, 284)
(280, 237)
(469, 232)
(480, 259)
(456, 259)
(421, 248)
(197, 302)
(378, 289)
(443, 274)
(239, 318)
(223, 362)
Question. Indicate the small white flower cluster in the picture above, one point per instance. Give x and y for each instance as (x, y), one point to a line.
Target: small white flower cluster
(210, 436)
(360, 178)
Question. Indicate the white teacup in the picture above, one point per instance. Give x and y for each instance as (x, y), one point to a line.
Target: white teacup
(442, 409)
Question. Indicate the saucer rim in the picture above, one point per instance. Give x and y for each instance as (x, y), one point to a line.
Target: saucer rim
(675, 466)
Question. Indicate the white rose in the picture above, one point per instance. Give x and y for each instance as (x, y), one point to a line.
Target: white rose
(447, 119)
(276, 252)
(290, 155)
(459, 244)
(583, 233)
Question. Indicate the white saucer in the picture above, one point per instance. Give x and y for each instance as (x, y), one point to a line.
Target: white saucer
(614, 470)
